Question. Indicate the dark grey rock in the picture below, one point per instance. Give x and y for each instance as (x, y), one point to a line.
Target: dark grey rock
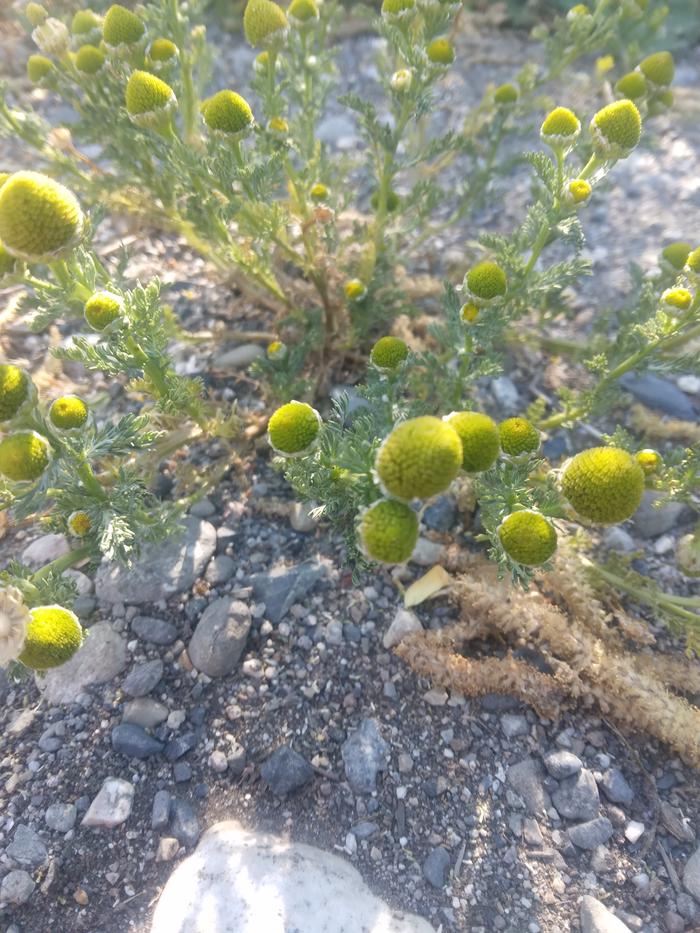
(596, 918)
(236, 757)
(145, 712)
(184, 824)
(154, 631)
(134, 742)
(48, 742)
(60, 817)
(616, 788)
(592, 833)
(440, 514)
(281, 587)
(650, 522)
(526, 778)
(562, 764)
(160, 812)
(365, 754)
(143, 678)
(182, 771)
(364, 830)
(286, 771)
(687, 907)
(17, 887)
(691, 875)
(205, 508)
(220, 637)
(659, 394)
(27, 849)
(436, 866)
(577, 797)
(180, 745)
(221, 568)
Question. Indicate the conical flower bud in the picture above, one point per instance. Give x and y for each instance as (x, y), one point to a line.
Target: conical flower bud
(35, 13)
(264, 23)
(39, 67)
(388, 354)
(420, 458)
(506, 94)
(163, 51)
(659, 69)
(616, 129)
(293, 429)
(122, 30)
(87, 26)
(24, 456)
(633, 86)
(16, 391)
(560, 128)
(479, 436)
(603, 484)
(228, 112)
(518, 436)
(301, 12)
(675, 255)
(150, 102)
(486, 282)
(89, 59)
(440, 52)
(68, 413)
(102, 308)
(40, 220)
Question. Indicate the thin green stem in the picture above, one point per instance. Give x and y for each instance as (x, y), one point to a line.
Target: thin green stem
(62, 563)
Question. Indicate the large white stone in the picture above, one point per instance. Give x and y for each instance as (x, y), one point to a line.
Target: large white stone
(239, 881)
(112, 805)
(100, 658)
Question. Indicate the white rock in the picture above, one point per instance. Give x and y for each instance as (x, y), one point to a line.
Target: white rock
(239, 357)
(300, 518)
(633, 831)
(45, 549)
(243, 882)
(403, 623)
(167, 849)
(691, 875)
(112, 805)
(596, 918)
(426, 552)
(101, 657)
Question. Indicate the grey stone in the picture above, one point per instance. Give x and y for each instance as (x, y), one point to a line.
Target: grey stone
(426, 552)
(506, 394)
(239, 357)
(596, 918)
(403, 623)
(112, 805)
(286, 771)
(16, 888)
(514, 724)
(180, 745)
(687, 906)
(650, 522)
(333, 632)
(281, 587)
(145, 712)
(301, 518)
(162, 570)
(236, 758)
(48, 742)
(60, 817)
(134, 742)
(364, 830)
(160, 812)
(691, 875)
(44, 550)
(365, 754)
(168, 847)
(673, 922)
(659, 394)
(616, 788)
(220, 569)
(562, 764)
(618, 539)
(217, 761)
(220, 637)
(101, 657)
(154, 631)
(577, 797)
(441, 514)
(435, 867)
(143, 678)
(526, 778)
(532, 834)
(27, 849)
(592, 833)
(182, 771)
(204, 508)
(184, 824)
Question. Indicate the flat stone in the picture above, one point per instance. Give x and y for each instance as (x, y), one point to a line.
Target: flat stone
(659, 394)
(426, 553)
(101, 657)
(403, 623)
(281, 587)
(145, 712)
(532, 834)
(301, 518)
(163, 569)
(691, 875)
(239, 881)
(365, 754)
(220, 569)
(616, 788)
(168, 847)
(286, 771)
(60, 817)
(154, 631)
(596, 918)
(562, 764)
(143, 678)
(180, 745)
(218, 641)
(513, 725)
(592, 833)
(160, 811)
(577, 797)
(650, 521)
(239, 357)
(27, 849)
(134, 742)
(17, 887)
(526, 778)
(435, 867)
(441, 514)
(112, 805)
(45, 549)
(184, 824)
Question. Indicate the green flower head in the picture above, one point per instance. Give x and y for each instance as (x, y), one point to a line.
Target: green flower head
(24, 456)
(276, 350)
(293, 429)
(486, 282)
(68, 413)
(89, 59)
(39, 67)
(396, 10)
(469, 312)
(149, 100)
(650, 461)
(603, 484)
(264, 23)
(616, 129)
(677, 299)
(227, 112)
(528, 538)
(661, 102)
(16, 391)
(578, 11)
(659, 69)
(122, 30)
(388, 353)
(441, 52)
(301, 12)
(578, 191)
(53, 636)
(319, 192)
(506, 94)
(102, 308)
(692, 263)
(388, 531)
(419, 459)
(162, 51)
(632, 85)
(85, 23)
(355, 290)
(35, 13)
(480, 439)
(40, 220)
(561, 127)
(676, 254)
(79, 523)
(518, 436)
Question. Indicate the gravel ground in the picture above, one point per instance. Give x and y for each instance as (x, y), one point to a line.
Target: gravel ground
(479, 816)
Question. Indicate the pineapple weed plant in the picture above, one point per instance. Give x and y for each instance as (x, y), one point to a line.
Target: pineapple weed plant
(251, 188)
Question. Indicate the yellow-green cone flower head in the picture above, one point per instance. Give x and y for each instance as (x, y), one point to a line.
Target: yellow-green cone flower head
(163, 50)
(578, 191)
(401, 80)
(355, 290)
(480, 439)
(40, 219)
(616, 129)
(277, 350)
(89, 59)
(79, 523)
(692, 263)
(319, 192)
(486, 282)
(16, 391)
(469, 313)
(35, 13)
(149, 100)
(54, 634)
(388, 353)
(440, 52)
(658, 69)
(388, 531)
(518, 436)
(419, 459)
(102, 308)
(301, 12)
(85, 24)
(293, 429)
(39, 67)
(14, 620)
(675, 255)
(688, 555)
(278, 125)
(52, 37)
(632, 85)
(68, 412)
(650, 460)
(578, 11)
(264, 23)
(122, 30)
(7, 262)
(528, 538)
(24, 456)
(677, 299)
(560, 128)
(396, 10)
(506, 94)
(603, 484)
(227, 112)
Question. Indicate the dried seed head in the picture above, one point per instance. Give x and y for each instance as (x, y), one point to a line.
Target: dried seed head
(293, 429)
(54, 634)
(616, 129)
(388, 531)
(40, 220)
(24, 456)
(419, 459)
(603, 484)
(14, 620)
(52, 37)
(528, 538)
(479, 436)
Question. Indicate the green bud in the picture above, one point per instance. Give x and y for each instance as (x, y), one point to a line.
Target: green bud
(122, 30)
(16, 390)
(40, 220)
(603, 484)
(506, 94)
(632, 85)
(388, 531)
(54, 634)
(24, 456)
(150, 102)
(102, 308)
(264, 23)
(85, 23)
(89, 59)
(388, 353)
(528, 538)
(68, 413)
(659, 69)
(518, 436)
(419, 459)
(486, 282)
(162, 51)
(676, 255)
(293, 429)
(35, 13)
(441, 52)
(480, 440)
(39, 67)
(616, 129)
(301, 12)
(561, 127)
(227, 112)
